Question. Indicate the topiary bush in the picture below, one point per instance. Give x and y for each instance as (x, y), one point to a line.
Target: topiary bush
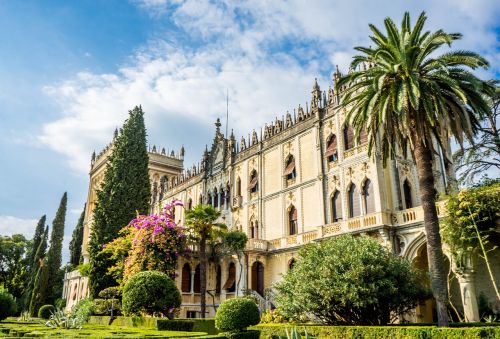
(8, 306)
(150, 292)
(46, 311)
(175, 325)
(235, 315)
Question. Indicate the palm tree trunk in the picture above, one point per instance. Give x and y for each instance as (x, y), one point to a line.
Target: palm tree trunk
(203, 276)
(423, 159)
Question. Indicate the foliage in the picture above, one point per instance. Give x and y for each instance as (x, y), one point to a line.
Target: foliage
(8, 305)
(348, 280)
(150, 292)
(60, 320)
(45, 311)
(25, 317)
(249, 334)
(484, 154)
(55, 275)
(234, 241)
(83, 269)
(149, 243)
(295, 334)
(60, 303)
(104, 306)
(13, 263)
(111, 292)
(83, 310)
(235, 315)
(174, 325)
(272, 317)
(202, 229)
(40, 280)
(75, 246)
(125, 191)
(35, 242)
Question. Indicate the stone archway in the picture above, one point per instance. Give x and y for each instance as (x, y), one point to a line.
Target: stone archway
(425, 312)
(258, 277)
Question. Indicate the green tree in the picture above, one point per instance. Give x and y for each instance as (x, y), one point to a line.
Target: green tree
(40, 280)
(484, 154)
(202, 227)
(125, 192)
(350, 281)
(409, 97)
(235, 242)
(75, 246)
(37, 238)
(54, 254)
(13, 262)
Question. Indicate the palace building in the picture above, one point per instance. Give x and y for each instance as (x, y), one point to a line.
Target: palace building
(301, 178)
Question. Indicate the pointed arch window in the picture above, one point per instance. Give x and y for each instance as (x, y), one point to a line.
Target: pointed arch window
(331, 149)
(230, 285)
(368, 197)
(163, 186)
(348, 137)
(238, 187)
(216, 198)
(354, 208)
(292, 221)
(197, 280)
(190, 204)
(209, 199)
(290, 171)
(228, 195)
(186, 278)
(363, 136)
(336, 203)
(254, 182)
(407, 194)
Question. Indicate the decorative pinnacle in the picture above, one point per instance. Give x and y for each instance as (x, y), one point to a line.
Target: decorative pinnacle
(217, 125)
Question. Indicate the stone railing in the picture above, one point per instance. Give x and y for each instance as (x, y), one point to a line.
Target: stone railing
(356, 150)
(256, 245)
(416, 214)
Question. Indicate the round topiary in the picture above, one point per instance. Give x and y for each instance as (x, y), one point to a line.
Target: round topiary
(46, 311)
(150, 292)
(8, 306)
(235, 315)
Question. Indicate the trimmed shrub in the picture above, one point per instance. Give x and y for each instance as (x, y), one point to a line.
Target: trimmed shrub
(150, 292)
(46, 311)
(8, 306)
(174, 325)
(111, 292)
(103, 307)
(235, 315)
(250, 334)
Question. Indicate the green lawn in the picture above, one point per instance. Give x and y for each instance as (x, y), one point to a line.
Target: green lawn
(10, 328)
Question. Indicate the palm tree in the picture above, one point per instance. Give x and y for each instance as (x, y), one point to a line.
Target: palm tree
(410, 98)
(202, 226)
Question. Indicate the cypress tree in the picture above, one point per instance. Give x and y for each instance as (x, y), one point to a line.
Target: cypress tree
(125, 191)
(40, 280)
(75, 246)
(37, 238)
(54, 254)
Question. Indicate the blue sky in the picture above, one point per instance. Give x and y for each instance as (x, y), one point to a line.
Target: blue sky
(70, 70)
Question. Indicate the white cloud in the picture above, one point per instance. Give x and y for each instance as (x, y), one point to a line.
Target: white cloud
(240, 47)
(10, 225)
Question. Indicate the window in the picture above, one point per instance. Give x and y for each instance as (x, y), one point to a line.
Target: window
(186, 278)
(363, 136)
(336, 207)
(200, 200)
(216, 199)
(254, 230)
(230, 285)
(290, 172)
(228, 196)
(354, 210)
(238, 187)
(218, 277)
(209, 199)
(407, 194)
(348, 137)
(291, 263)
(190, 204)
(368, 197)
(254, 182)
(197, 280)
(292, 221)
(163, 186)
(331, 150)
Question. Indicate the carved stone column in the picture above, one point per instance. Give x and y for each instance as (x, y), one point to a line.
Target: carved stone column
(464, 268)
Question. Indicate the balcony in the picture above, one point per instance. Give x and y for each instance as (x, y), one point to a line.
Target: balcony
(356, 150)
(256, 245)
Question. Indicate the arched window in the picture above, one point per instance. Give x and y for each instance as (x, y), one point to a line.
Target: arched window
(197, 280)
(218, 277)
(200, 200)
(290, 172)
(209, 199)
(407, 194)
(331, 149)
(186, 278)
(291, 263)
(222, 198)
(292, 221)
(230, 285)
(228, 196)
(154, 194)
(190, 204)
(238, 187)
(354, 210)
(163, 186)
(216, 198)
(254, 182)
(368, 197)
(348, 137)
(363, 136)
(336, 207)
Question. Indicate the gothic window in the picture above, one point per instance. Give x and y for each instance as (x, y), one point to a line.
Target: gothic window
(155, 193)
(290, 172)
(292, 221)
(216, 199)
(331, 150)
(291, 263)
(228, 195)
(238, 187)
(197, 278)
(200, 200)
(186, 278)
(256, 229)
(230, 285)
(163, 186)
(218, 281)
(209, 199)
(336, 202)
(368, 197)
(407, 194)
(254, 182)
(348, 137)
(363, 136)
(354, 210)
(190, 204)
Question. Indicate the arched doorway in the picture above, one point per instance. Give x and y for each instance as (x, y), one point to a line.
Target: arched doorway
(258, 277)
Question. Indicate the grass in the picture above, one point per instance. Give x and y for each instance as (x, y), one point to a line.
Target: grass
(10, 328)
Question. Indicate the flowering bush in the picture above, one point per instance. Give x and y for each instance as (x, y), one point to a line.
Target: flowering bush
(149, 243)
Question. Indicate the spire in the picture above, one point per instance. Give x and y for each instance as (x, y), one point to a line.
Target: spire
(182, 151)
(217, 126)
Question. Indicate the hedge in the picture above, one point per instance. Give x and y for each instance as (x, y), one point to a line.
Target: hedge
(383, 332)
(174, 325)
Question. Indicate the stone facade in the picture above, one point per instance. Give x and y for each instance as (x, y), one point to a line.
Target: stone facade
(300, 179)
